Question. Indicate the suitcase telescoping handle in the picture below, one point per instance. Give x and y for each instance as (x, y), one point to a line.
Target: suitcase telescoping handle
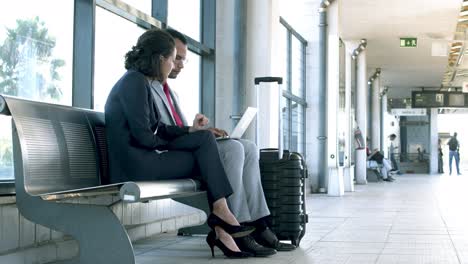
(259, 80)
(279, 80)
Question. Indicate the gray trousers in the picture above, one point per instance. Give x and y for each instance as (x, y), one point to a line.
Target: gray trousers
(240, 160)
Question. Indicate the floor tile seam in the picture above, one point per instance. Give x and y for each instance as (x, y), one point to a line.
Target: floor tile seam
(159, 247)
(439, 209)
(326, 234)
(388, 235)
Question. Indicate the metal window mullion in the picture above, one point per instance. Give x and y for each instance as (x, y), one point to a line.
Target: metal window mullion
(130, 13)
(304, 83)
(290, 127)
(295, 98)
(289, 58)
(159, 10)
(292, 30)
(207, 74)
(289, 87)
(83, 54)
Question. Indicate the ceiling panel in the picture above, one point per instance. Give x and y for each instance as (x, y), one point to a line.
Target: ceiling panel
(382, 23)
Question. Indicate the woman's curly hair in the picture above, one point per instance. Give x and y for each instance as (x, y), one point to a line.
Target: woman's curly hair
(145, 56)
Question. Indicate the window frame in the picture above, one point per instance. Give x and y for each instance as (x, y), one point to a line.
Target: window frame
(287, 93)
(84, 46)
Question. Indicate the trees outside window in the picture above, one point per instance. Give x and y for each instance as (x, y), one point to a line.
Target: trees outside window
(27, 65)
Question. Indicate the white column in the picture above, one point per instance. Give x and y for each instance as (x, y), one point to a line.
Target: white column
(335, 175)
(260, 16)
(375, 114)
(348, 173)
(434, 142)
(383, 124)
(361, 116)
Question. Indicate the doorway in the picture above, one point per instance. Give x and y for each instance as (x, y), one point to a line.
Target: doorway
(448, 124)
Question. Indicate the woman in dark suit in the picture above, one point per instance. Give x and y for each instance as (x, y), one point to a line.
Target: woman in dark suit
(142, 148)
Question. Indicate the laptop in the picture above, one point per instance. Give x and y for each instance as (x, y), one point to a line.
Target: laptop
(242, 125)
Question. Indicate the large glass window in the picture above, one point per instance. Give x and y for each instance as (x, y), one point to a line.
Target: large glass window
(36, 50)
(286, 127)
(187, 87)
(185, 17)
(292, 52)
(115, 36)
(297, 67)
(297, 133)
(6, 149)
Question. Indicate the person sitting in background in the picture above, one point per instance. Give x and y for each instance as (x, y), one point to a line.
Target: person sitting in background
(378, 157)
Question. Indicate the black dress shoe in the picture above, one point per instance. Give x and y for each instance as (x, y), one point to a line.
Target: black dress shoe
(235, 231)
(248, 244)
(267, 238)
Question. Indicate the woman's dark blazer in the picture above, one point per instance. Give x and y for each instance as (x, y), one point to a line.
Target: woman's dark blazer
(131, 122)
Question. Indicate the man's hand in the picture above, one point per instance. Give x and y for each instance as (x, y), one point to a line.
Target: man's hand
(199, 123)
(218, 132)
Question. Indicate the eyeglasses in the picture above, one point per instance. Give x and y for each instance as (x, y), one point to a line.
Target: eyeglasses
(180, 59)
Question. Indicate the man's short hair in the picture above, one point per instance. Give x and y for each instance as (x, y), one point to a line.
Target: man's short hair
(392, 135)
(177, 35)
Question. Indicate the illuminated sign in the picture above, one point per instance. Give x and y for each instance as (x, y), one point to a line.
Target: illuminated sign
(408, 42)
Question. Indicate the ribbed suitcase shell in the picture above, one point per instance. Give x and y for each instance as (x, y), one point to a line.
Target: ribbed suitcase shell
(283, 182)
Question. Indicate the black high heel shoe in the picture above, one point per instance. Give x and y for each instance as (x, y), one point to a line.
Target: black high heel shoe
(213, 241)
(235, 231)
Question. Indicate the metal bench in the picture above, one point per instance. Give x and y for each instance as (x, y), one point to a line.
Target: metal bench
(374, 171)
(60, 152)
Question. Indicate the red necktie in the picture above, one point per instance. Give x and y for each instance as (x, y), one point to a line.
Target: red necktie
(174, 112)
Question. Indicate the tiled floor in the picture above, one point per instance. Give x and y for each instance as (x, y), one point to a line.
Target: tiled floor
(417, 219)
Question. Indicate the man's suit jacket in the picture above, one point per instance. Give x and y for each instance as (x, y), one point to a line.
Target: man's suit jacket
(163, 106)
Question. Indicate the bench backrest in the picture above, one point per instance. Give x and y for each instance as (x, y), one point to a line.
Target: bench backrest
(61, 147)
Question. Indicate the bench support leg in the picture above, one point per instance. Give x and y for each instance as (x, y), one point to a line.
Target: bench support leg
(199, 201)
(101, 236)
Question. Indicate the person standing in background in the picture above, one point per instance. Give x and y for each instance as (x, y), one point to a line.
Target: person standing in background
(441, 160)
(395, 165)
(454, 152)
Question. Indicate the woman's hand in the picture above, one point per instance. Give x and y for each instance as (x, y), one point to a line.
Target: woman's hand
(199, 123)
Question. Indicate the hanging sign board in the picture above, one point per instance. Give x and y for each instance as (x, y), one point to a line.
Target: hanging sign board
(409, 112)
(435, 99)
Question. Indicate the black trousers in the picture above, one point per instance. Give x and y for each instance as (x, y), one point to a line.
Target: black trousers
(196, 155)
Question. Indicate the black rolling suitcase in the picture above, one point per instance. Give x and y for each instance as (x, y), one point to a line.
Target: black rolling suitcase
(283, 178)
(283, 182)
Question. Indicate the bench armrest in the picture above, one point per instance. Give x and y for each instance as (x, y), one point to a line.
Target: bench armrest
(133, 192)
(83, 192)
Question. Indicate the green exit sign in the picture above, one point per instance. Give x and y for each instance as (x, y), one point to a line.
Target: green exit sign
(408, 42)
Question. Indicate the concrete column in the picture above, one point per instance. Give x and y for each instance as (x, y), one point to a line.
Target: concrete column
(361, 116)
(434, 142)
(375, 115)
(383, 119)
(348, 173)
(259, 39)
(335, 175)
